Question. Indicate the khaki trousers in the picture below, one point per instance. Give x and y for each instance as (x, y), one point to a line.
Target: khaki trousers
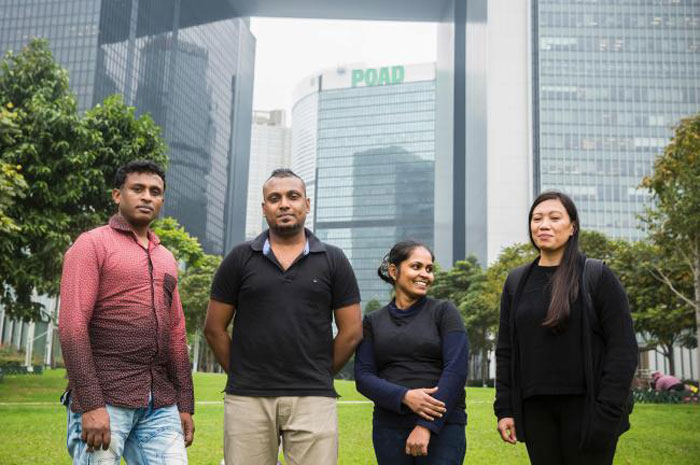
(253, 425)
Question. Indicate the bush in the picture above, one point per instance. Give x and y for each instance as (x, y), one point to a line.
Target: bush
(10, 354)
(16, 368)
(650, 396)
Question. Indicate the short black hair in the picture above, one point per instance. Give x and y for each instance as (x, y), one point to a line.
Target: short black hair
(137, 166)
(285, 173)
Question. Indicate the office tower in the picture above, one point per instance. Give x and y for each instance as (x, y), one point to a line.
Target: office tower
(374, 160)
(610, 79)
(269, 149)
(189, 64)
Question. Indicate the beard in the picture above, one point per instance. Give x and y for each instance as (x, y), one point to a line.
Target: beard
(286, 230)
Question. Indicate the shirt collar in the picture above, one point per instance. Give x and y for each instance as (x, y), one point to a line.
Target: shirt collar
(120, 224)
(262, 243)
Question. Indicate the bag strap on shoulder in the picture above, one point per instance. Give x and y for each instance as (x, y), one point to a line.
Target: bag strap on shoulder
(592, 272)
(514, 279)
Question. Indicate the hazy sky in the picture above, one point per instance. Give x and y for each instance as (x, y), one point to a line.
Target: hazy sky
(288, 50)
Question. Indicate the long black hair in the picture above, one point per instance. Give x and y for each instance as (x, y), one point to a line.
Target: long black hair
(398, 254)
(565, 282)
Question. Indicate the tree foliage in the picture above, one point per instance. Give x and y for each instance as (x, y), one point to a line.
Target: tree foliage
(185, 248)
(117, 137)
(195, 280)
(12, 183)
(662, 319)
(673, 219)
(195, 288)
(372, 306)
(67, 162)
(597, 245)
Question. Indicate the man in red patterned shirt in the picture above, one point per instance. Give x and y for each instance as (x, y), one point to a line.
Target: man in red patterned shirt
(123, 336)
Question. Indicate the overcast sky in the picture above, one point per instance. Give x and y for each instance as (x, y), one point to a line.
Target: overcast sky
(288, 50)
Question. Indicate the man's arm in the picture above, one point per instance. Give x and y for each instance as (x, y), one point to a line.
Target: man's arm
(219, 315)
(349, 322)
(80, 282)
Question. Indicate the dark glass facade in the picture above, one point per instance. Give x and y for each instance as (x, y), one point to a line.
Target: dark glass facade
(611, 78)
(187, 63)
(375, 172)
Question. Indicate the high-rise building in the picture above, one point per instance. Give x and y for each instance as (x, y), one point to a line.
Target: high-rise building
(610, 79)
(368, 134)
(269, 149)
(187, 63)
(305, 137)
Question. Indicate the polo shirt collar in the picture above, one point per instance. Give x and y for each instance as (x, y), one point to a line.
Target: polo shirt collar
(120, 224)
(262, 243)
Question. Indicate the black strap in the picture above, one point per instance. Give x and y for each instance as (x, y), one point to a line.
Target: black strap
(514, 280)
(592, 272)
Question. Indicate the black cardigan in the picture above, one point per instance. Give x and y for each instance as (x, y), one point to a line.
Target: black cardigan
(609, 349)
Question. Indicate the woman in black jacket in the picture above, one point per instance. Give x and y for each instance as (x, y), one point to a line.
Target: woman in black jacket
(412, 363)
(566, 350)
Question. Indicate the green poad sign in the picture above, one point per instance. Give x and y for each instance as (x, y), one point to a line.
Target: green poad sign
(378, 76)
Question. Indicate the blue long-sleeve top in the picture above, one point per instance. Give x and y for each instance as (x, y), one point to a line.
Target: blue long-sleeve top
(423, 346)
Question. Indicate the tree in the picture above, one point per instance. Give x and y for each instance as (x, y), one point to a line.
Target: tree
(48, 148)
(660, 316)
(372, 306)
(453, 284)
(194, 284)
(185, 248)
(479, 310)
(195, 288)
(67, 162)
(462, 285)
(198, 269)
(117, 137)
(12, 184)
(673, 219)
(597, 245)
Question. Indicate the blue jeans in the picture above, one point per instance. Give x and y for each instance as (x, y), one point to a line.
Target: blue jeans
(143, 436)
(446, 448)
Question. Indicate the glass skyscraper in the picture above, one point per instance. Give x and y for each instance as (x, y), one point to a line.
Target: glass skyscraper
(269, 149)
(187, 63)
(610, 79)
(374, 161)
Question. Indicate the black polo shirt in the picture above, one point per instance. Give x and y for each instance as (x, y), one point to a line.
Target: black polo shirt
(282, 339)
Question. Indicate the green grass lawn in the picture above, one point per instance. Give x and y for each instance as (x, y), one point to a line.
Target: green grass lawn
(33, 427)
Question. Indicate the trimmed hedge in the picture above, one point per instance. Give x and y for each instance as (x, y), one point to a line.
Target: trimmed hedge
(16, 368)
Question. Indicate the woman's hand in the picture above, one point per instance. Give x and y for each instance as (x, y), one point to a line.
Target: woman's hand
(506, 426)
(424, 404)
(417, 442)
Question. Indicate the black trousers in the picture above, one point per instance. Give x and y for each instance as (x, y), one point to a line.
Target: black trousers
(553, 429)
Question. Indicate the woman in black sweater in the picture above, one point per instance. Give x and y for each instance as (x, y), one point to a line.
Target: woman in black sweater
(564, 362)
(412, 363)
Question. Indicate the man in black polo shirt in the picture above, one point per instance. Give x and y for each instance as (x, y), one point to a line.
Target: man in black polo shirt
(284, 288)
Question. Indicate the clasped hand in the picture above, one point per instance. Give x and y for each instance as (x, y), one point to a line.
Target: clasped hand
(424, 404)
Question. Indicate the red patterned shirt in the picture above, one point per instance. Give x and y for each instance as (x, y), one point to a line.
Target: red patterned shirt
(121, 323)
